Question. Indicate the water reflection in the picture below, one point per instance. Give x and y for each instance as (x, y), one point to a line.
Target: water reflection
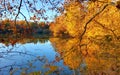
(30, 56)
(57, 56)
(89, 57)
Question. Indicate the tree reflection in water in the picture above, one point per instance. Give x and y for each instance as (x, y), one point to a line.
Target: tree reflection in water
(90, 57)
(31, 56)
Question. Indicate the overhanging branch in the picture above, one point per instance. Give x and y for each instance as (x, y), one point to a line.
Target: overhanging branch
(106, 28)
(18, 11)
(25, 18)
(85, 27)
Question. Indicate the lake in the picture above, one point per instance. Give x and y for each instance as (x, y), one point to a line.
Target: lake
(57, 56)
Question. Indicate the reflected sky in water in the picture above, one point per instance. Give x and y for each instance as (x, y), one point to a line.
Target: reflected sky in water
(58, 56)
(29, 56)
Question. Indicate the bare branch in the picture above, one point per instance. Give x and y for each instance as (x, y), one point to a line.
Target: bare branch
(4, 5)
(25, 18)
(18, 11)
(27, 9)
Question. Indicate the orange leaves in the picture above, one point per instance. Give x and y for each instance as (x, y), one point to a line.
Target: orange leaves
(118, 4)
(91, 59)
(69, 22)
(34, 18)
(52, 69)
(58, 28)
(71, 56)
(57, 58)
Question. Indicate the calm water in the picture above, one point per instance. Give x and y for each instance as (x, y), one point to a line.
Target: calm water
(55, 56)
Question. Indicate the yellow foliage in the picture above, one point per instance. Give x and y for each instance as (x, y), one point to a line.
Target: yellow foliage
(53, 68)
(72, 18)
(95, 59)
(98, 53)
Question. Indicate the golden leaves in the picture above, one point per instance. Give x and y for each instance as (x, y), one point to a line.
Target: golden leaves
(118, 4)
(92, 56)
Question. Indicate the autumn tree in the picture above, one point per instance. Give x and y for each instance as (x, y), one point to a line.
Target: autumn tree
(98, 35)
(89, 18)
(89, 58)
(58, 28)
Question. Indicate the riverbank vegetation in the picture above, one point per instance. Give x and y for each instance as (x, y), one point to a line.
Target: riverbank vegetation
(7, 27)
(79, 20)
(86, 34)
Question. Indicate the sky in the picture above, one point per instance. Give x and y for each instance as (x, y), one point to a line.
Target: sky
(38, 5)
(49, 13)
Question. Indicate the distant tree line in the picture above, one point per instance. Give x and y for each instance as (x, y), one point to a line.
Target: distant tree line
(7, 27)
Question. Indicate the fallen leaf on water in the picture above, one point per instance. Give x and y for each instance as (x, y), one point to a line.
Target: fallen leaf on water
(53, 68)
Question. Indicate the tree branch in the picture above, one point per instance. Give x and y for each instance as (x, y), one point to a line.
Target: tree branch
(25, 18)
(4, 5)
(27, 9)
(18, 11)
(85, 27)
(106, 28)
